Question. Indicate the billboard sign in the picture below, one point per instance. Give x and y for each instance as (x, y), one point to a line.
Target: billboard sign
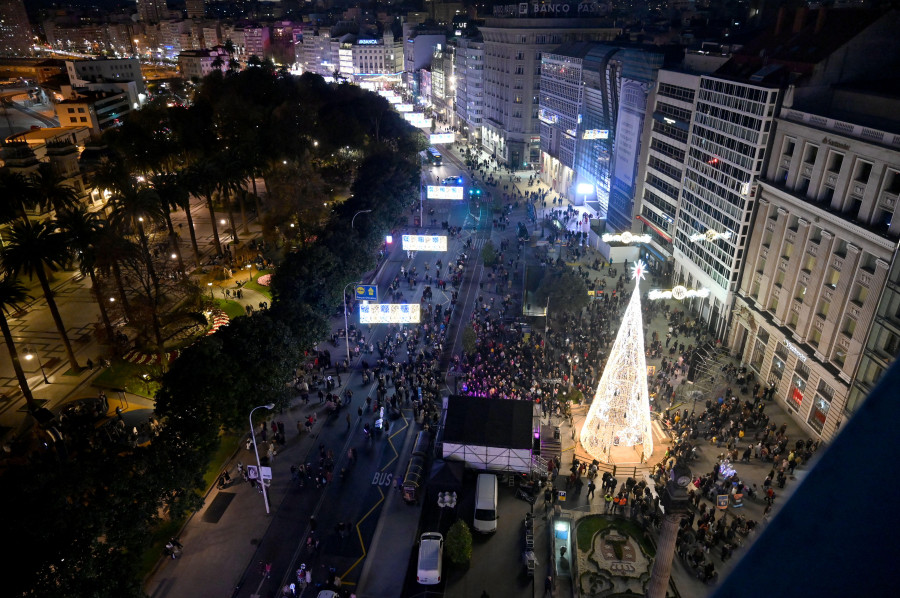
(444, 192)
(404, 107)
(389, 313)
(442, 138)
(424, 243)
(596, 134)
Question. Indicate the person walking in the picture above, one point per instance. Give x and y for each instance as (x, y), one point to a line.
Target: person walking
(608, 499)
(591, 488)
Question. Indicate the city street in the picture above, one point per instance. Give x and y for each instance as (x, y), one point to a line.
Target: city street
(230, 540)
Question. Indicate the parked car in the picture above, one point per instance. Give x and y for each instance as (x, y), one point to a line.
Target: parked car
(431, 553)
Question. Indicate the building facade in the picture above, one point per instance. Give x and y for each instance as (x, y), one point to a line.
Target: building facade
(730, 130)
(669, 116)
(469, 67)
(106, 70)
(16, 36)
(196, 64)
(512, 70)
(820, 274)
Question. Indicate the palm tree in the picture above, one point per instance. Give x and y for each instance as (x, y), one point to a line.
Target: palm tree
(230, 182)
(33, 249)
(180, 197)
(112, 249)
(52, 191)
(17, 195)
(203, 179)
(135, 207)
(11, 295)
(170, 192)
(84, 230)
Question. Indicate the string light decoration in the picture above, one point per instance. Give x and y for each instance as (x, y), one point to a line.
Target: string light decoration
(620, 413)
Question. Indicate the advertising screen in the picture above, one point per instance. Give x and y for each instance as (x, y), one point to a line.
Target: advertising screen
(442, 138)
(596, 134)
(404, 107)
(424, 243)
(389, 313)
(444, 192)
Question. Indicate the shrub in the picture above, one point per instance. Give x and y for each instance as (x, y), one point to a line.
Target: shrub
(459, 543)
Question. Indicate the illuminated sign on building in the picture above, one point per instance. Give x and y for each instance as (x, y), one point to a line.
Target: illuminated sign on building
(793, 349)
(404, 107)
(368, 42)
(424, 243)
(595, 134)
(442, 138)
(548, 117)
(444, 192)
(389, 313)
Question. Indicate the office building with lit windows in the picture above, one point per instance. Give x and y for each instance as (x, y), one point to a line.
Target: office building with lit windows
(16, 36)
(513, 46)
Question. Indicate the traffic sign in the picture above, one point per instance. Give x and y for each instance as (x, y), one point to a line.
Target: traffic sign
(366, 292)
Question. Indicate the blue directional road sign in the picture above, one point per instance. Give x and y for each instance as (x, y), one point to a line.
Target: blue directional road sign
(366, 292)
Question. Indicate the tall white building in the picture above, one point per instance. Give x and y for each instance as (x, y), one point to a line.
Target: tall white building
(824, 235)
(513, 45)
(469, 68)
(726, 149)
(105, 70)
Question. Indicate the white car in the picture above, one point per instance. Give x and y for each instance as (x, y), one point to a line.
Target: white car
(431, 553)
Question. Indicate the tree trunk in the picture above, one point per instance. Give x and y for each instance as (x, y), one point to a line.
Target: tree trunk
(17, 365)
(160, 344)
(215, 226)
(234, 232)
(148, 258)
(95, 287)
(117, 275)
(190, 221)
(173, 239)
(241, 194)
(256, 199)
(54, 311)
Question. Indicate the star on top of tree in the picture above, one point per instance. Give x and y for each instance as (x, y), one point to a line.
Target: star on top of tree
(639, 270)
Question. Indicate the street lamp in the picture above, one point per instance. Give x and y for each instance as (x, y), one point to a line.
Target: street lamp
(209, 284)
(29, 355)
(346, 322)
(262, 482)
(357, 214)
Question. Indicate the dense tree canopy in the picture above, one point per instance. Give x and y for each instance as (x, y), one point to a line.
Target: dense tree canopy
(84, 511)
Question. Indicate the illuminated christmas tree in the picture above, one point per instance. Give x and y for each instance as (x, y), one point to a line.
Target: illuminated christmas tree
(620, 413)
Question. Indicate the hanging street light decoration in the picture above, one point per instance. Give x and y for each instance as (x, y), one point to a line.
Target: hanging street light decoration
(626, 238)
(679, 293)
(710, 236)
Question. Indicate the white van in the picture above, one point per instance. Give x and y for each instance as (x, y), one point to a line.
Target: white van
(486, 504)
(431, 552)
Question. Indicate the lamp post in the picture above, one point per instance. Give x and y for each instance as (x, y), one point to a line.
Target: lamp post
(262, 482)
(209, 284)
(347, 323)
(357, 214)
(674, 501)
(29, 355)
